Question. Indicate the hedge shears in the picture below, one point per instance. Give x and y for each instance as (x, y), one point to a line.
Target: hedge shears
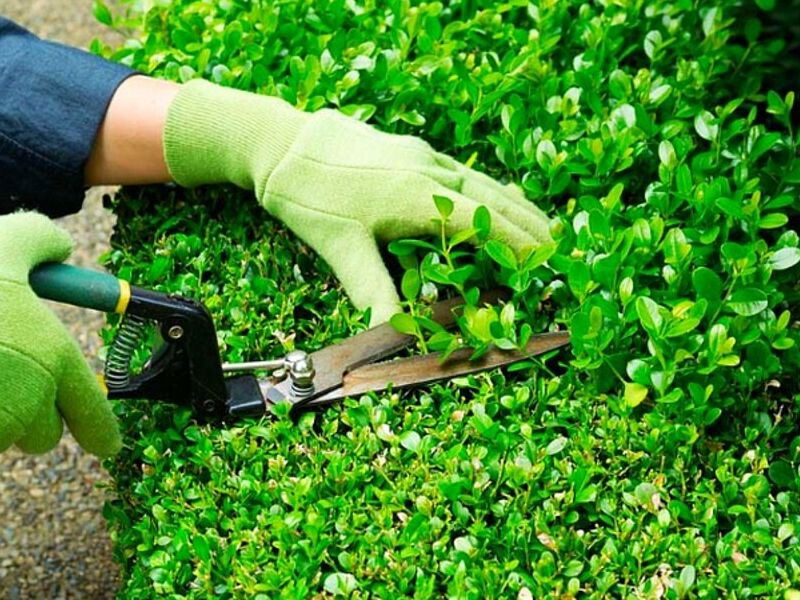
(187, 369)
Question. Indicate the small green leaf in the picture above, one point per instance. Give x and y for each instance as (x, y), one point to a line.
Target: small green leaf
(773, 221)
(579, 277)
(686, 579)
(500, 253)
(649, 315)
(730, 207)
(707, 284)
(705, 126)
(652, 41)
(409, 247)
(482, 222)
(340, 584)
(444, 205)
(748, 302)
(101, 12)
(411, 284)
(783, 474)
(545, 154)
(410, 440)
(635, 393)
(404, 323)
(556, 446)
(666, 153)
(412, 117)
(462, 236)
(784, 258)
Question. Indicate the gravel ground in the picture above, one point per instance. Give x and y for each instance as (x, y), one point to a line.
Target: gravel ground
(53, 538)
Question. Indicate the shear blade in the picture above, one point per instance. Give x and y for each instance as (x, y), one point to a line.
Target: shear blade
(378, 343)
(418, 370)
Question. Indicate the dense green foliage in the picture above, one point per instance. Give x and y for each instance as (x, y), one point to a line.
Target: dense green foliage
(658, 457)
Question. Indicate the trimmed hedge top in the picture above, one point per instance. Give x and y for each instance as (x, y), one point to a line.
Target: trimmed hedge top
(657, 458)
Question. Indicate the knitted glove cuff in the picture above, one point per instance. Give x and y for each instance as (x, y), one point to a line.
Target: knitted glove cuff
(215, 134)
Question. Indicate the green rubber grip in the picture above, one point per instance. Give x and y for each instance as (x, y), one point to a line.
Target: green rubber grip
(80, 287)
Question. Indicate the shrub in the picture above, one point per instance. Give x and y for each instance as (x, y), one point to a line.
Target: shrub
(658, 457)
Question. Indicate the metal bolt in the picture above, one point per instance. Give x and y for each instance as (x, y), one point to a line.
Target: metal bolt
(209, 405)
(301, 372)
(175, 332)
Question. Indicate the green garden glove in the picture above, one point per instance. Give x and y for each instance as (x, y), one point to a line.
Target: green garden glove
(339, 184)
(43, 376)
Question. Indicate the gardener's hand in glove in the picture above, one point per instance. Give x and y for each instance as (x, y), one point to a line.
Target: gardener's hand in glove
(337, 183)
(43, 376)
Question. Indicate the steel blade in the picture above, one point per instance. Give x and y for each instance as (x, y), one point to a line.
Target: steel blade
(375, 344)
(428, 368)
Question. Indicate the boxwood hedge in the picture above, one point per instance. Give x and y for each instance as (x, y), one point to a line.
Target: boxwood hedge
(658, 457)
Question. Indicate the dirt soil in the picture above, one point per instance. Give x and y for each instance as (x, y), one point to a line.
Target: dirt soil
(53, 538)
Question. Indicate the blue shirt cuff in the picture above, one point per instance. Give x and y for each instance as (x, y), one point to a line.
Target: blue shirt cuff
(53, 100)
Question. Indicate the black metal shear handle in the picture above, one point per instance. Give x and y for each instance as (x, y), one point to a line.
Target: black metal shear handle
(186, 369)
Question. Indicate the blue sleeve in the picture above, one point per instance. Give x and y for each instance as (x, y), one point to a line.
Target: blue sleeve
(52, 101)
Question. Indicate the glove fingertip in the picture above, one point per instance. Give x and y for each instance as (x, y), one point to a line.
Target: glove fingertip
(35, 238)
(380, 313)
(85, 408)
(97, 429)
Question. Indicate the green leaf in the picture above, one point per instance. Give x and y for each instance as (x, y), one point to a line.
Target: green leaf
(404, 323)
(411, 284)
(730, 207)
(775, 105)
(635, 394)
(705, 126)
(462, 236)
(666, 153)
(101, 12)
(409, 247)
(538, 256)
(507, 315)
(783, 474)
(785, 258)
(482, 222)
(764, 144)
(500, 253)
(683, 179)
(340, 584)
(460, 275)
(686, 579)
(362, 112)
(638, 370)
(201, 547)
(444, 205)
(707, 284)
(545, 154)
(652, 41)
(436, 272)
(748, 302)
(676, 248)
(649, 314)
(556, 446)
(412, 117)
(773, 221)
(579, 278)
(410, 440)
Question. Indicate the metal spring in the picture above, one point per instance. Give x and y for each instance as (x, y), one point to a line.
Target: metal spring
(120, 353)
(301, 391)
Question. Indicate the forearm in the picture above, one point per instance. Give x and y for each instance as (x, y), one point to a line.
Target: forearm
(128, 148)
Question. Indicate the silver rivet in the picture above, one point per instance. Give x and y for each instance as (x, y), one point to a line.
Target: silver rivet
(301, 371)
(175, 332)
